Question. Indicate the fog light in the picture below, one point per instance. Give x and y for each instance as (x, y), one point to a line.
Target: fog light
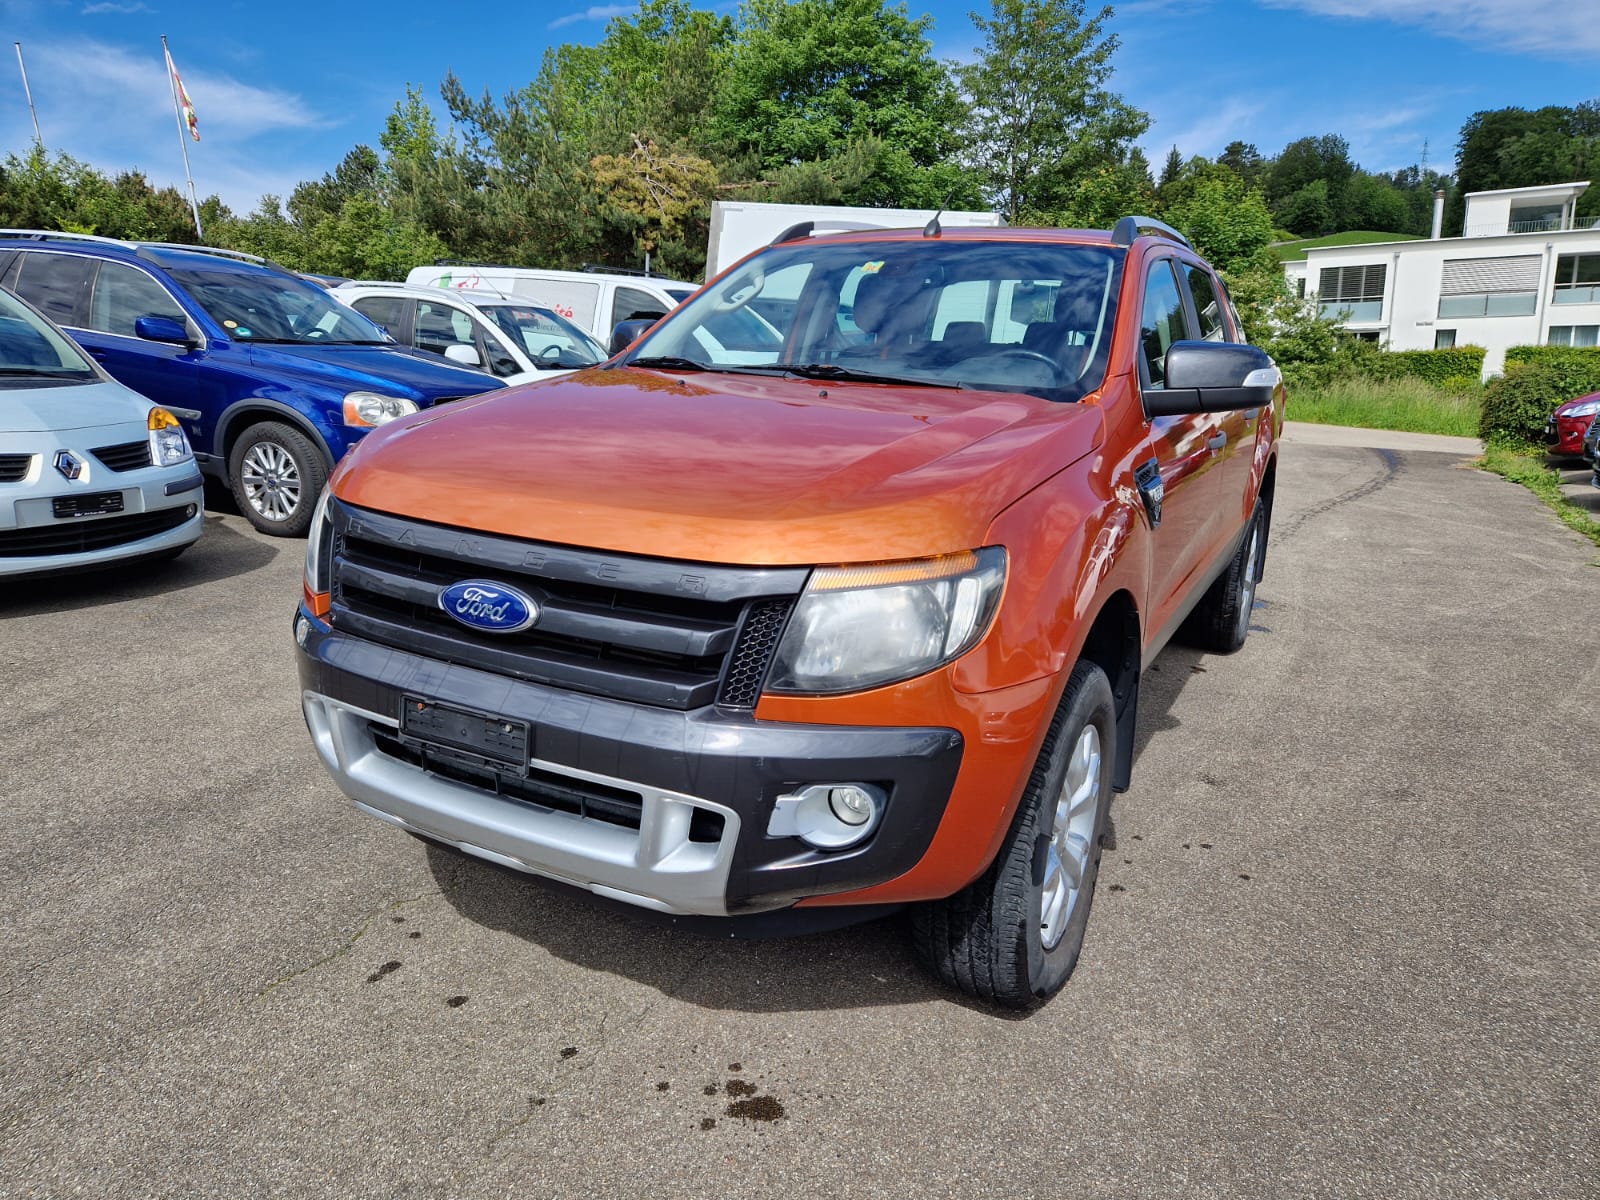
(302, 631)
(190, 512)
(828, 816)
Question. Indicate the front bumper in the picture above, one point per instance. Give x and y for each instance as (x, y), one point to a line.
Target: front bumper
(680, 800)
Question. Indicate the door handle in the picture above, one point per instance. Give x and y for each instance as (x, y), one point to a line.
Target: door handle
(1218, 442)
(97, 355)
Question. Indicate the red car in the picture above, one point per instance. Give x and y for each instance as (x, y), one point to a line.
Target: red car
(1569, 422)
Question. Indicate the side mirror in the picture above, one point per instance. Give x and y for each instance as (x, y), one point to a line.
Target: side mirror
(1214, 377)
(161, 329)
(628, 332)
(467, 356)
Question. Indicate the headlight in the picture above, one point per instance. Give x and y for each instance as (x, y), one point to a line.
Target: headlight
(168, 446)
(1587, 409)
(319, 546)
(865, 626)
(366, 409)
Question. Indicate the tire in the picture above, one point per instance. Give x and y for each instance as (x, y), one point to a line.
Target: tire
(1221, 621)
(1013, 935)
(276, 475)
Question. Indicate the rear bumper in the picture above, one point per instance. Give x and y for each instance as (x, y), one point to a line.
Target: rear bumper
(695, 789)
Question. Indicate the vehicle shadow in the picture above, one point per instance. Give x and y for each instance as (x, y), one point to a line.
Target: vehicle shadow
(222, 552)
(721, 965)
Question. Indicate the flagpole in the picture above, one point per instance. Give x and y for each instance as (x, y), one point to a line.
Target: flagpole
(28, 91)
(177, 111)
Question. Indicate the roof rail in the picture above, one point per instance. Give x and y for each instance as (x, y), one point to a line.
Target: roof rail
(602, 269)
(1131, 227)
(58, 235)
(475, 262)
(218, 251)
(805, 229)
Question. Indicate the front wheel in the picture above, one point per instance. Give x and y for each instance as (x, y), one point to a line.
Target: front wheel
(1221, 621)
(276, 474)
(1013, 935)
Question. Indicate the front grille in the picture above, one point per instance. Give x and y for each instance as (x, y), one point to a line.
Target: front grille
(126, 456)
(14, 467)
(89, 534)
(650, 631)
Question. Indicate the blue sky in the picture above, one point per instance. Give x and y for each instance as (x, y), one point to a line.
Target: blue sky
(283, 89)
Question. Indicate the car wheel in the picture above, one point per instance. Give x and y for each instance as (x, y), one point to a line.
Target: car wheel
(1014, 934)
(276, 475)
(1221, 621)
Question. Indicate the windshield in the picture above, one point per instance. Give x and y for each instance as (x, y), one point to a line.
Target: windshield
(549, 340)
(995, 315)
(32, 349)
(261, 306)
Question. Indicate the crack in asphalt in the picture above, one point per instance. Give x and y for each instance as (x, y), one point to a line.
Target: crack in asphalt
(1391, 470)
(349, 943)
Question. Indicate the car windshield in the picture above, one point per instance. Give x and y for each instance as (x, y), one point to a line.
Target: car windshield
(32, 349)
(996, 315)
(551, 341)
(264, 306)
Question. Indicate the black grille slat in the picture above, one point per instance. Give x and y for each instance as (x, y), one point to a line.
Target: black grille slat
(651, 631)
(758, 639)
(125, 456)
(91, 533)
(14, 467)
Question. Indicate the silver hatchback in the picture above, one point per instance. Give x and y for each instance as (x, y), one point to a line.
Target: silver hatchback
(91, 473)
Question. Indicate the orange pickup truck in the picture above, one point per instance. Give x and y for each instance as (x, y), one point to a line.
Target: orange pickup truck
(834, 588)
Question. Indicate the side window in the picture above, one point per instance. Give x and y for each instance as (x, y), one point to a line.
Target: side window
(631, 304)
(1207, 306)
(123, 294)
(500, 359)
(440, 326)
(387, 311)
(56, 284)
(1162, 321)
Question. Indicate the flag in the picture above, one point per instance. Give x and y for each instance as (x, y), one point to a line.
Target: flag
(185, 105)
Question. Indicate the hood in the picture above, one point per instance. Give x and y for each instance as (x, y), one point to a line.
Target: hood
(723, 468)
(377, 368)
(69, 406)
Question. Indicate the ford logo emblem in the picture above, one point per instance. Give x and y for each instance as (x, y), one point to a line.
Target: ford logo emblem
(491, 607)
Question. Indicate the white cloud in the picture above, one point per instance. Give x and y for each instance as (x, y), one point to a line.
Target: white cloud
(1548, 28)
(1207, 135)
(600, 12)
(101, 10)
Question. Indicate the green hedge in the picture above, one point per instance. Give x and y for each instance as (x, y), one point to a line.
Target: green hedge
(1516, 405)
(1451, 368)
(1576, 367)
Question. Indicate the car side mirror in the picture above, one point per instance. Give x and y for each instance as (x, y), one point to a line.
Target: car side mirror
(467, 356)
(628, 332)
(161, 329)
(1214, 377)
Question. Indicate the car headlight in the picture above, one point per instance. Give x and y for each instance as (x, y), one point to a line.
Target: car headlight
(864, 626)
(168, 445)
(367, 409)
(1588, 408)
(319, 546)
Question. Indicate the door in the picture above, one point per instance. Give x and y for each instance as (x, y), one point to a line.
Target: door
(1238, 427)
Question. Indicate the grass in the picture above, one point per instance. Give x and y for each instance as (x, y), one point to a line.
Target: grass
(1530, 469)
(1296, 250)
(1408, 405)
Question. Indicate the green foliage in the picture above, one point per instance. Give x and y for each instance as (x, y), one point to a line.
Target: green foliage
(1577, 368)
(1533, 473)
(1410, 405)
(1457, 368)
(59, 192)
(1227, 223)
(1309, 348)
(1518, 147)
(1041, 116)
(1517, 405)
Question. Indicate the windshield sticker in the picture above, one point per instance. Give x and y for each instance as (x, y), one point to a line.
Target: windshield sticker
(872, 268)
(242, 331)
(230, 324)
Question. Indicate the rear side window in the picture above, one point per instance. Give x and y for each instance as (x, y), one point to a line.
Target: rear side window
(631, 304)
(440, 326)
(1207, 305)
(123, 294)
(387, 311)
(1161, 322)
(56, 284)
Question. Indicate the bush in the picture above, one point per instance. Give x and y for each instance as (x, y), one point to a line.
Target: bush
(1578, 367)
(1517, 405)
(1458, 368)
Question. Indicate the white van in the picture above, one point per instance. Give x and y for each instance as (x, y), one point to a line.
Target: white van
(593, 300)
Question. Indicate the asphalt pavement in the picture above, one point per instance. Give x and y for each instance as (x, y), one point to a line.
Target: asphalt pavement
(1345, 943)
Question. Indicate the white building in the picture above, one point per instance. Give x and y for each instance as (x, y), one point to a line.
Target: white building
(1521, 275)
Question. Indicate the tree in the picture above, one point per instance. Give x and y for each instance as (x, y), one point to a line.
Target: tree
(1041, 114)
(1226, 223)
(1516, 147)
(1245, 161)
(1303, 164)
(1171, 170)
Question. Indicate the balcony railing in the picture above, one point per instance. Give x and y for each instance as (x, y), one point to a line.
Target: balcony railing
(1576, 293)
(1538, 225)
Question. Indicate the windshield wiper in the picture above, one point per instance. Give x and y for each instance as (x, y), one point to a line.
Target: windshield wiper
(835, 371)
(668, 362)
(43, 373)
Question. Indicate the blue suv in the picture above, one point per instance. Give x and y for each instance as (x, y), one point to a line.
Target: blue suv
(272, 378)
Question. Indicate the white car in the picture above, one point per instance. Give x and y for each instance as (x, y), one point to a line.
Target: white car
(510, 337)
(91, 473)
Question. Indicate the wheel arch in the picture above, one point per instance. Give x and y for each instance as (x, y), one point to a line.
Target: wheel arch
(242, 414)
(1114, 644)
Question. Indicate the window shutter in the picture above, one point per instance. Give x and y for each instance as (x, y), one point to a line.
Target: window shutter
(1477, 276)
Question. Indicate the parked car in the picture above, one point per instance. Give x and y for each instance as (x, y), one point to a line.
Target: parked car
(272, 378)
(513, 339)
(91, 473)
(860, 624)
(595, 300)
(1569, 422)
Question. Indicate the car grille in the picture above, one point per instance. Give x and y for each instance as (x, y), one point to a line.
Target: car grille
(92, 533)
(650, 631)
(14, 467)
(126, 456)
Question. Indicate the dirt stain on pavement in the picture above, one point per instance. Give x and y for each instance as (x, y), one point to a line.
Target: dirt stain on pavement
(388, 968)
